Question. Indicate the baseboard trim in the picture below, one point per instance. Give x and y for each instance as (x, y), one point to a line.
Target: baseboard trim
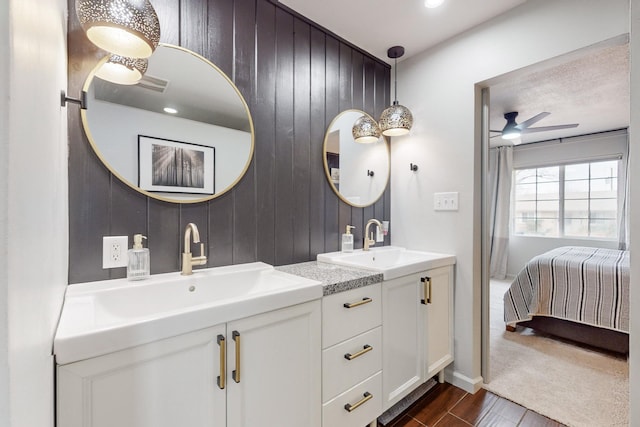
(470, 385)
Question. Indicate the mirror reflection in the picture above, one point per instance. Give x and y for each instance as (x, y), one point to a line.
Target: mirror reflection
(358, 173)
(182, 134)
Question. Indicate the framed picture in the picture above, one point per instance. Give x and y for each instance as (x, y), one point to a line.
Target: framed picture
(175, 167)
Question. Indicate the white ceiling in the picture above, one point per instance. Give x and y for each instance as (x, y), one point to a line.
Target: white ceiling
(590, 87)
(376, 25)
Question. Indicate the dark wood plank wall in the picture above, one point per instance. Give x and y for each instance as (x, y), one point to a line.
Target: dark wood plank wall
(295, 77)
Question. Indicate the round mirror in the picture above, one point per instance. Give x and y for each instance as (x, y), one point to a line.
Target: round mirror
(182, 134)
(358, 173)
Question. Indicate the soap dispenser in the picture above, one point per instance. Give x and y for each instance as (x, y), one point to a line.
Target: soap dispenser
(347, 240)
(138, 263)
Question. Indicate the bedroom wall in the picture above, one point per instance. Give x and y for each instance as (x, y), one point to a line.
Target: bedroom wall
(440, 86)
(579, 148)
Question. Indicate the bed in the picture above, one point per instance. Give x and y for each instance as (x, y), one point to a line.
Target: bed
(577, 293)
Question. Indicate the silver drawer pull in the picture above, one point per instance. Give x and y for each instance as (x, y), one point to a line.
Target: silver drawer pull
(366, 300)
(350, 408)
(367, 348)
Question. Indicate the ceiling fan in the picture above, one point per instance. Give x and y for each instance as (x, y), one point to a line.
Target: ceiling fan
(513, 130)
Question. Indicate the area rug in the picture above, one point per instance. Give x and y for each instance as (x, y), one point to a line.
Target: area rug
(573, 385)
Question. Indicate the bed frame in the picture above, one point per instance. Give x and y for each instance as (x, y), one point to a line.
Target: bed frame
(606, 339)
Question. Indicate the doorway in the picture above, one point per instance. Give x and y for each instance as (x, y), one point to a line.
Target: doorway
(563, 87)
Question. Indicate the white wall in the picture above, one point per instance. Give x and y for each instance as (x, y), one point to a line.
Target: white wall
(634, 178)
(439, 86)
(580, 148)
(4, 187)
(33, 211)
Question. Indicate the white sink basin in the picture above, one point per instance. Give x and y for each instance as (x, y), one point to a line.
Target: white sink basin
(102, 317)
(391, 261)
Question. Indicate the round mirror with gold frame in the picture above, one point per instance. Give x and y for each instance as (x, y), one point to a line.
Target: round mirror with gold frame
(358, 173)
(182, 134)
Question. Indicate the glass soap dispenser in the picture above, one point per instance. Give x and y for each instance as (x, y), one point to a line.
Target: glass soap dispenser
(347, 239)
(138, 260)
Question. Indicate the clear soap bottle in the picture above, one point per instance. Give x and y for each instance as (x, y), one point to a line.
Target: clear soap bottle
(138, 260)
(347, 240)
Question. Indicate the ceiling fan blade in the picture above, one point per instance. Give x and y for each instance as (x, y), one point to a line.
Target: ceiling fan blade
(547, 128)
(532, 120)
(498, 131)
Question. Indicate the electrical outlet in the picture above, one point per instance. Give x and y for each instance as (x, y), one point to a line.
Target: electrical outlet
(114, 251)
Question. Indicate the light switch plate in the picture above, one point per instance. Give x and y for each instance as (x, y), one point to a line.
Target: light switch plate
(114, 251)
(445, 201)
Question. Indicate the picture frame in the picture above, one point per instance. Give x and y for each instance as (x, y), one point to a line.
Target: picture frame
(169, 166)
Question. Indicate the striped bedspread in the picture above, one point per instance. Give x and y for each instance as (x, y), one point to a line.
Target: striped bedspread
(585, 285)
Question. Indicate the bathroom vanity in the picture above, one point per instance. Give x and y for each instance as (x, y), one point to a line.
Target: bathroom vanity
(313, 344)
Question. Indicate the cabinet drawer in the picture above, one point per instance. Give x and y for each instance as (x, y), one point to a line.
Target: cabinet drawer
(334, 413)
(339, 373)
(340, 323)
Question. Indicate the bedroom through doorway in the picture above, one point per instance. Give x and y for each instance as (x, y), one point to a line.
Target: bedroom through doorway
(548, 206)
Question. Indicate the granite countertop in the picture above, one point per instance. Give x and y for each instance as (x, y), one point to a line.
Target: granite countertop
(334, 278)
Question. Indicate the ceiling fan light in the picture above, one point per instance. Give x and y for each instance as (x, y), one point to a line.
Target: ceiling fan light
(122, 70)
(396, 120)
(128, 28)
(365, 130)
(510, 134)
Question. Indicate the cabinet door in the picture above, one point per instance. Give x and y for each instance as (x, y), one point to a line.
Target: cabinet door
(167, 383)
(439, 346)
(402, 338)
(274, 368)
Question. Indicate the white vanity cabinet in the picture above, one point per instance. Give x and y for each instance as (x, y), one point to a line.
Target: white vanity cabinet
(417, 327)
(439, 320)
(267, 364)
(352, 357)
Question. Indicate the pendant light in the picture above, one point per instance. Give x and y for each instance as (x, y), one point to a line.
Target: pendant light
(365, 130)
(122, 70)
(128, 28)
(397, 119)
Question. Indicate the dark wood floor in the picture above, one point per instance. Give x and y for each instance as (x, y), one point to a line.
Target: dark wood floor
(449, 406)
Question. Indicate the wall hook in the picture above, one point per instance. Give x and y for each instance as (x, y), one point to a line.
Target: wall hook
(82, 102)
(369, 173)
(413, 167)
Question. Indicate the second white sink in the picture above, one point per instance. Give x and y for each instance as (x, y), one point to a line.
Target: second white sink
(391, 261)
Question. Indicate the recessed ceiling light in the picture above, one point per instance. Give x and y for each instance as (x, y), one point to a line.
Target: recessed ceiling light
(433, 3)
(170, 110)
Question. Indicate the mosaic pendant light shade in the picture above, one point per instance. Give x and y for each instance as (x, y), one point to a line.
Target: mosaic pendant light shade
(121, 70)
(128, 28)
(397, 119)
(365, 130)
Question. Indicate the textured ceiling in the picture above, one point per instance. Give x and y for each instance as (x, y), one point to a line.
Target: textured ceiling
(590, 88)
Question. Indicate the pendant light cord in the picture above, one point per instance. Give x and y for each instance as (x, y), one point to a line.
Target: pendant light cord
(395, 80)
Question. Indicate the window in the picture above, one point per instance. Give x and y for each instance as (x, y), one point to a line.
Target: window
(577, 200)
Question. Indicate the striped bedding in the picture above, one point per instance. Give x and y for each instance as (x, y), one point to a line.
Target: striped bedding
(585, 285)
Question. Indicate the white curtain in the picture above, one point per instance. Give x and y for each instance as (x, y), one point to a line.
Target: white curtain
(623, 201)
(500, 175)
